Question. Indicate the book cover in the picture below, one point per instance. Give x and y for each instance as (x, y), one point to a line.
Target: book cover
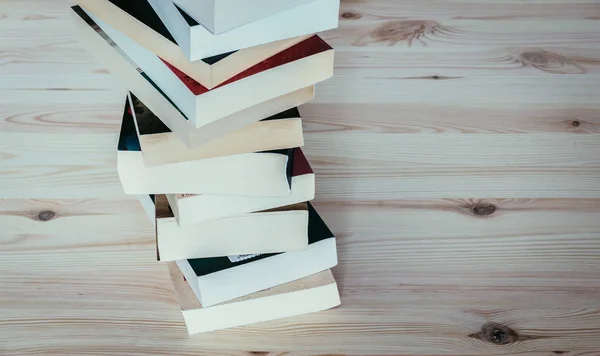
(128, 138)
(317, 231)
(306, 48)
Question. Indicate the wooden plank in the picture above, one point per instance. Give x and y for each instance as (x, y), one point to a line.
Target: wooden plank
(411, 152)
(441, 331)
(470, 9)
(501, 90)
(479, 62)
(451, 33)
(89, 117)
(449, 118)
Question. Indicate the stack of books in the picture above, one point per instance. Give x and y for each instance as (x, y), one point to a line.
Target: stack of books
(210, 143)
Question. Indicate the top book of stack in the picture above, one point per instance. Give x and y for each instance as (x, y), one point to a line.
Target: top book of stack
(197, 42)
(220, 16)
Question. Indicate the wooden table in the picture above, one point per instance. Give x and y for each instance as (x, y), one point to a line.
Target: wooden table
(457, 152)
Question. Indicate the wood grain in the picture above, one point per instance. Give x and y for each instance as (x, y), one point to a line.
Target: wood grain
(457, 154)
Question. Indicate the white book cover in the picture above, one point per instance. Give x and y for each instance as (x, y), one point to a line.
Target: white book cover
(220, 16)
(198, 42)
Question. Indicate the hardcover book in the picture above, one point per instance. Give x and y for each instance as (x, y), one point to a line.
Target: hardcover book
(95, 41)
(219, 279)
(260, 174)
(299, 66)
(138, 21)
(198, 42)
(307, 295)
(160, 146)
(219, 16)
(277, 230)
(190, 209)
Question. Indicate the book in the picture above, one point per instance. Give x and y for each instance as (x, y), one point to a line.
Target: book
(93, 39)
(224, 15)
(190, 209)
(219, 279)
(138, 21)
(311, 294)
(277, 230)
(198, 42)
(302, 65)
(160, 146)
(249, 174)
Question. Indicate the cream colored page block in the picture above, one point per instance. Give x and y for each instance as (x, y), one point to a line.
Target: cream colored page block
(262, 136)
(257, 310)
(272, 83)
(250, 234)
(209, 176)
(191, 210)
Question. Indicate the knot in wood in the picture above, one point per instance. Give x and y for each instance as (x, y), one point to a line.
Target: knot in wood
(496, 334)
(538, 58)
(46, 215)
(576, 123)
(551, 62)
(349, 15)
(257, 353)
(398, 28)
(483, 209)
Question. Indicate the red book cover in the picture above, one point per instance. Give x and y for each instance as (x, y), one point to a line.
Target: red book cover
(301, 165)
(306, 48)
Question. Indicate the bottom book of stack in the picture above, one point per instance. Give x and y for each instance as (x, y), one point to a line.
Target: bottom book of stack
(307, 295)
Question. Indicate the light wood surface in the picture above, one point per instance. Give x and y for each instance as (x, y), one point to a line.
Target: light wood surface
(457, 153)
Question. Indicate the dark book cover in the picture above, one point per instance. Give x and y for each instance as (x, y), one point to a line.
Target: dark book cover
(190, 20)
(128, 139)
(147, 122)
(143, 12)
(317, 231)
(306, 48)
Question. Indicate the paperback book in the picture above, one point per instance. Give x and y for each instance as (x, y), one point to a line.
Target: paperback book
(160, 146)
(310, 294)
(261, 174)
(190, 209)
(220, 16)
(198, 42)
(277, 230)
